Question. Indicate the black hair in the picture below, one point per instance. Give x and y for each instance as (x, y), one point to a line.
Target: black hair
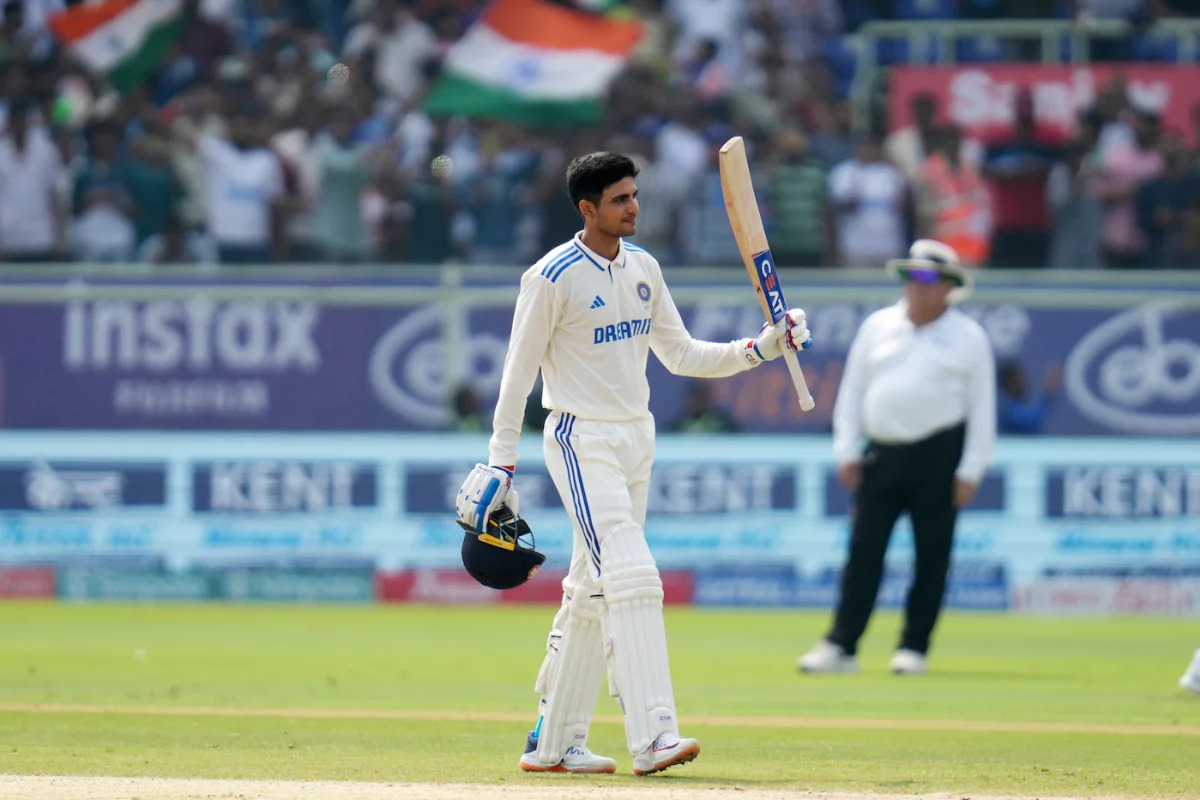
(588, 176)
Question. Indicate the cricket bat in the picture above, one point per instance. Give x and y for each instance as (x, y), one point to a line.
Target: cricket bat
(747, 225)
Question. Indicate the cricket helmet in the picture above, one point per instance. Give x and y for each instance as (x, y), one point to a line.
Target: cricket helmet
(498, 557)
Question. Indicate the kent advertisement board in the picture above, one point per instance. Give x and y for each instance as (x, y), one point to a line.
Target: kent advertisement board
(1062, 524)
(264, 365)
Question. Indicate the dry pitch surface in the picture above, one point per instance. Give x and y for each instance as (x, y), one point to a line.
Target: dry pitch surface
(555, 787)
(558, 787)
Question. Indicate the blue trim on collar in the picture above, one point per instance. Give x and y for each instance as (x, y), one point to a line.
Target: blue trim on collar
(587, 255)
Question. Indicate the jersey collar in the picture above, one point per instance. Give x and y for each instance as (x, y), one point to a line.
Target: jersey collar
(598, 260)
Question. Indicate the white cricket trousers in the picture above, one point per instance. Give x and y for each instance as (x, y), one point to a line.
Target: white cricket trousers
(602, 473)
(612, 595)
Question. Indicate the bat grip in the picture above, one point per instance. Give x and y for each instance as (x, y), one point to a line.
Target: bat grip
(806, 401)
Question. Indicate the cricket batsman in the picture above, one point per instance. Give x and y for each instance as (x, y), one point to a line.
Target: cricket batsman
(586, 316)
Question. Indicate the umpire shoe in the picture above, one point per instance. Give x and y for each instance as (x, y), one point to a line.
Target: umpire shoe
(826, 656)
(577, 759)
(1191, 678)
(908, 662)
(667, 751)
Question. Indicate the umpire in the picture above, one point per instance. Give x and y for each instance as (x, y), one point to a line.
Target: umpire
(914, 427)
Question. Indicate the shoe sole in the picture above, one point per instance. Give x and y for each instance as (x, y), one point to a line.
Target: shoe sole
(682, 757)
(560, 768)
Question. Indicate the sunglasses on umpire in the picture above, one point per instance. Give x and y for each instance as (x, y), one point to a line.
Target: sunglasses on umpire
(923, 276)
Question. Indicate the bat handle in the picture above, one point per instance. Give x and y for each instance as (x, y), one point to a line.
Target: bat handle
(806, 401)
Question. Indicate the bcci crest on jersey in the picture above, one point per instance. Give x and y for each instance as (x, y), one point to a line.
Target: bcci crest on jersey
(622, 331)
(643, 290)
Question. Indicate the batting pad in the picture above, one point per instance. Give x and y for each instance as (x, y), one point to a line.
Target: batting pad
(570, 677)
(635, 637)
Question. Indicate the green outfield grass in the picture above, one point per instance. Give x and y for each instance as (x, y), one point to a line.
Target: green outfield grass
(1013, 705)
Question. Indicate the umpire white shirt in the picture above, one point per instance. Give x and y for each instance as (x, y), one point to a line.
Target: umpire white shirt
(903, 384)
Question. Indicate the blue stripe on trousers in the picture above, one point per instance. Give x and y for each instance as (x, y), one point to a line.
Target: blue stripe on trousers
(583, 514)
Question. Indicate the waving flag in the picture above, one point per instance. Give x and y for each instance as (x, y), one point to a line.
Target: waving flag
(125, 40)
(534, 62)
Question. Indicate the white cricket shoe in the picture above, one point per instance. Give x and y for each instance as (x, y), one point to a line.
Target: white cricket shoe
(825, 656)
(667, 751)
(1191, 678)
(908, 662)
(578, 760)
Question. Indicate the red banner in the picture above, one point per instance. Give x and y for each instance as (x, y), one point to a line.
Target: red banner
(982, 98)
(455, 587)
(27, 582)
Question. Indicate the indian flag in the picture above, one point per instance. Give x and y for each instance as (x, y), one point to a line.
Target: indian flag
(534, 62)
(125, 40)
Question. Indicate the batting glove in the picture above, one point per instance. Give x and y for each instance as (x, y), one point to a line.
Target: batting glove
(790, 332)
(485, 490)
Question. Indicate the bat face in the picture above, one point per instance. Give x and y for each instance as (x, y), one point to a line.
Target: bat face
(746, 222)
(768, 282)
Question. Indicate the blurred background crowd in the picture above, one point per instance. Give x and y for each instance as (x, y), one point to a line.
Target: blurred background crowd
(296, 131)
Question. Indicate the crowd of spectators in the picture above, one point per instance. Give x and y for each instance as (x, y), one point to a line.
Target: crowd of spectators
(294, 131)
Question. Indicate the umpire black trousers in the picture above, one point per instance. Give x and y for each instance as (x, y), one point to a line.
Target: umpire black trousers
(917, 478)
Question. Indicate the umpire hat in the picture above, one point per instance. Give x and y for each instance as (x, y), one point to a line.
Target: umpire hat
(497, 557)
(929, 258)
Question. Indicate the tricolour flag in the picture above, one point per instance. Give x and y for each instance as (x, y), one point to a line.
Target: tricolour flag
(125, 40)
(534, 62)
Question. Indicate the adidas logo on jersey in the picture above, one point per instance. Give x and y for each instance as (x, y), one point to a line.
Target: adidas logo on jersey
(598, 302)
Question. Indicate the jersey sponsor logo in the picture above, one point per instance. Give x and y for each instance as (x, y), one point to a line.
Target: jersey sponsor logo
(643, 290)
(764, 265)
(621, 331)
(598, 302)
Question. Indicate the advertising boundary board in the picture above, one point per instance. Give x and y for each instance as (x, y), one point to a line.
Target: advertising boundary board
(373, 356)
(1122, 514)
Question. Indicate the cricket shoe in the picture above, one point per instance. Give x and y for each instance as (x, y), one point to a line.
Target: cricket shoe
(578, 760)
(908, 662)
(825, 656)
(667, 751)
(1191, 678)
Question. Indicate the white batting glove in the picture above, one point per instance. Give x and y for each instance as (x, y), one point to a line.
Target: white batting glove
(790, 332)
(485, 490)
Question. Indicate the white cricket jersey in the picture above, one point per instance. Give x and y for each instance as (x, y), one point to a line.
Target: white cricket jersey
(903, 383)
(588, 324)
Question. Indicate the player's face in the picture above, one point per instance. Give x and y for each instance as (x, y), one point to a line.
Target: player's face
(617, 214)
